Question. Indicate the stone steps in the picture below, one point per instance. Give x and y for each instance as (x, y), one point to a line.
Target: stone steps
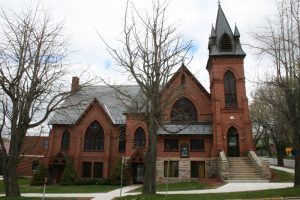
(241, 169)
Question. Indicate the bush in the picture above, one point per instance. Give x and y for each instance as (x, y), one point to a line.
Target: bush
(39, 175)
(69, 176)
(115, 177)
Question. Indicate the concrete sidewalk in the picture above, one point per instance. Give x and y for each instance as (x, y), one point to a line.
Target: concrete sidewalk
(229, 187)
(289, 170)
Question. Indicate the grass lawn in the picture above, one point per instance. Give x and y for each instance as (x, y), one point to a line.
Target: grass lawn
(193, 185)
(25, 187)
(281, 176)
(39, 198)
(273, 193)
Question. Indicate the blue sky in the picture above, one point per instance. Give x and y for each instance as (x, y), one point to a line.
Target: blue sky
(83, 18)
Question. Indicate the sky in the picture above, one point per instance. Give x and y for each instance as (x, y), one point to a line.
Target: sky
(84, 18)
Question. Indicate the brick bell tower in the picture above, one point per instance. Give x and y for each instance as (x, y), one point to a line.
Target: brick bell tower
(232, 130)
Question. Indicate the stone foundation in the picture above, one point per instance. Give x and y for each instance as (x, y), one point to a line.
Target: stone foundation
(184, 165)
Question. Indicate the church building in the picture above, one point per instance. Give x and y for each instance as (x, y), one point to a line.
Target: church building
(205, 132)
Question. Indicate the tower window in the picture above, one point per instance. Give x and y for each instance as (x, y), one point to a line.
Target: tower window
(225, 43)
(230, 89)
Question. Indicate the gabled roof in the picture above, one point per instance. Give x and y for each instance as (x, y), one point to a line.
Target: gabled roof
(107, 96)
(110, 99)
(189, 73)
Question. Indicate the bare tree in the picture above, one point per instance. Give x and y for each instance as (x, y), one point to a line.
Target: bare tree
(270, 112)
(32, 50)
(150, 51)
(280, 41)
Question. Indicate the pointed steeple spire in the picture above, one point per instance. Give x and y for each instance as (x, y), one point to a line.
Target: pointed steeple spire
(222, 41)
(213, 32)
(236, 32)
(222, 24)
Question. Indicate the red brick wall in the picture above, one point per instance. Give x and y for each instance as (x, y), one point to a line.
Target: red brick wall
(224, 117)
(209, 108)
(77, 133)
(32, 150)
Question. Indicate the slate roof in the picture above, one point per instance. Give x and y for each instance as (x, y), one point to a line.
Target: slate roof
(111, 101)
(221, 27)
(194, 129)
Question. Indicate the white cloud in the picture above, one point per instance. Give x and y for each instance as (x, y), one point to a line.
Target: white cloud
(195, 17)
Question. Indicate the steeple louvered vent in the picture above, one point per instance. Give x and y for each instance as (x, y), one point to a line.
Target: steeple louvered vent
(225, 43)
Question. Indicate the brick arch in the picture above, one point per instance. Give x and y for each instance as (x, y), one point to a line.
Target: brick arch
(229, 68)
(230, 125)
(189, 99)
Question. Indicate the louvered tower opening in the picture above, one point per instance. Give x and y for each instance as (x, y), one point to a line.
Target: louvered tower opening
(225, 43)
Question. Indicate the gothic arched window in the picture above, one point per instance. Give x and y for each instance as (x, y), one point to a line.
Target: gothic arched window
(139, 137)
(225, 43)
(183, 111)
(94, 137)
(230, 89)
(65, 141)
(182, 79)
(122, 141)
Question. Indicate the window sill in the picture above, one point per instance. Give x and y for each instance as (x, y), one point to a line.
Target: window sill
(135, 147)
(87, 150)
(167, 150)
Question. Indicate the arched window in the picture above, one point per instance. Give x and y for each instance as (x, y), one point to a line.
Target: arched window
(139, 137)
(65, 140)
(225, 43)
(183, 111)
(230, 89)
(122, 141)
(94, 137)
(182, 79)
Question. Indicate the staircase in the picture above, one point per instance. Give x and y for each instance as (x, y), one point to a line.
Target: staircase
(241, 169)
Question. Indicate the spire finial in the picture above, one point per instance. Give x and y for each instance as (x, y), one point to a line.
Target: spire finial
(219, 2)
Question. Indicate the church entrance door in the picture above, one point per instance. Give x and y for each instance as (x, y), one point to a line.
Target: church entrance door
(233, 143)
(138, 172)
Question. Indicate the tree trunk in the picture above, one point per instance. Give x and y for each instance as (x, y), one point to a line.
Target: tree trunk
(280, 155)
(149, 186)
(297, 155)
(10, 177)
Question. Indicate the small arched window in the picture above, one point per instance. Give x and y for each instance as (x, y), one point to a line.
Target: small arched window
(230, 89)
(183, 111)
(122, 141)
(225, 43)
(65, 141)
(182, 80)
(139, 137)
(94, 137)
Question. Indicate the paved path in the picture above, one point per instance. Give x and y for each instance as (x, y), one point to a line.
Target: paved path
(287, 162)
(229, 187)
(283, 169)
